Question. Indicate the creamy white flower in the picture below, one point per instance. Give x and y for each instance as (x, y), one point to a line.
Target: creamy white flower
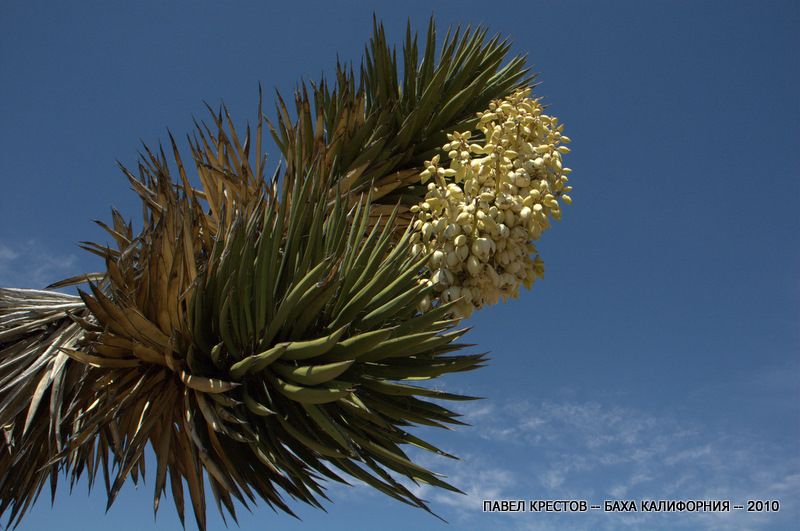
(483, 211)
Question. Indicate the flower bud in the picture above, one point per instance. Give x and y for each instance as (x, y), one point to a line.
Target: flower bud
(452, 231)
(442, 278)
(509, 218)
(519, 233)
(452, 260)
(424, 304)
(503, 231)
(490, 226)
(482, 248)
(474, 266)
(452, 293)
(436, 259)
(427, 230)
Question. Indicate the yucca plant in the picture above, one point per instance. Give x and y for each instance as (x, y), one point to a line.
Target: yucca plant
(263, 331)
(376, 130)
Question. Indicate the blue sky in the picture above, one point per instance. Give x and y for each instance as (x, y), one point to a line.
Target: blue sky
(659, 358)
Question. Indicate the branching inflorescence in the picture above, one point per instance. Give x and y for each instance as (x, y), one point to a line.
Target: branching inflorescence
(481, 214)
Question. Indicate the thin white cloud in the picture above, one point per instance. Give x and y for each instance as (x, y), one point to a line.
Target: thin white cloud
(7, 254)
(31, 264)
(594, 451)
(471, 474)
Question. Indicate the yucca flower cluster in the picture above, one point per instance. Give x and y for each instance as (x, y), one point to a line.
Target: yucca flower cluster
(483, 211)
